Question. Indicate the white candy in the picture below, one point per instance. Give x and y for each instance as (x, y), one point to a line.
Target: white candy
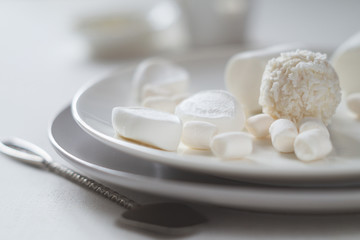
(310, 123)
(214, 106)
(346, 60)
(353, 103)
(300, 84)
(311, 145)
(258, 125)
(155, 128)
(156, 76)
(160, 103)
(198, 134)
(232, 145)
(244, 72)
(283, 133)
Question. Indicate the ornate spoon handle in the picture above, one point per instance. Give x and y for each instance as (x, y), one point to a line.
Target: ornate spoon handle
(31, 154)
(91, 184)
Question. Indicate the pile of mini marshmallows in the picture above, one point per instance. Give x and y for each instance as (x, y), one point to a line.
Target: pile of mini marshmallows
(206, 120)
(310, 139)
(299, 94)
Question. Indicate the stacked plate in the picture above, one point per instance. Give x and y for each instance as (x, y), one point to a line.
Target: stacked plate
(265, 181)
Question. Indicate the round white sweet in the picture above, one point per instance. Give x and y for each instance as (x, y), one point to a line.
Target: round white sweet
(218, 107)
(300, 84)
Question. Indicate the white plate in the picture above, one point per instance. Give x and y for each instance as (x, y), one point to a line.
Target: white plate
(119, 168)
(93, 103)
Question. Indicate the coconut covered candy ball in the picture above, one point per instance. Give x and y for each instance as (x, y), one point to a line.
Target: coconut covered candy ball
(300, 84)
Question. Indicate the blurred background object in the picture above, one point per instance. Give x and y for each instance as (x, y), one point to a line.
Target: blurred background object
(125, 29)
(164, 25)
(214, 22)
(125, 32)
(321, 24)
(173, 25)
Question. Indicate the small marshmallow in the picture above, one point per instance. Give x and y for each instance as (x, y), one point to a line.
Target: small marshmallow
(161, 77)
(258, 125)
(218, 107)
(283, 133)
(310, 123)
(311, 145)
(198, 134)
(155, 128)
(353, 103)
(160, 103)
(232, 145)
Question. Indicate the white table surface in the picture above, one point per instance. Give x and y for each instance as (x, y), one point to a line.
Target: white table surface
(39, 73)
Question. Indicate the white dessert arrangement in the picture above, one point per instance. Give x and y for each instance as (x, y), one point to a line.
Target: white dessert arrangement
(281, 94)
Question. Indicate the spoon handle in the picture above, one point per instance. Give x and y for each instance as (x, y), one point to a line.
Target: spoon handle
(91, 184)
(33, 155)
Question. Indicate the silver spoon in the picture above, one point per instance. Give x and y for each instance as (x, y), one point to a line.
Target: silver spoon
(165, 218)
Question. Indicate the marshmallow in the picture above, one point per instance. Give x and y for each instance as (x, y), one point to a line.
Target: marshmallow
(218, 107)
(244, 71)
(258, 125)
(346, 61)
(353, 103)
(198, 134)
(311, 145)
(155, 128)
(231, 145)
(160, 103)
(283, 133)
(300, 84)
(310, 123)
(156, 76)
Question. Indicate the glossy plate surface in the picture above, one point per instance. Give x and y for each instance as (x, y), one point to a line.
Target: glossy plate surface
(93, 104)
(108, 164)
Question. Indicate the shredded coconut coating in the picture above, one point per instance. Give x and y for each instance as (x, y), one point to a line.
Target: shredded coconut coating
(300, 84)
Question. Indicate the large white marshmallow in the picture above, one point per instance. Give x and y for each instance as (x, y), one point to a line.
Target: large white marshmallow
(310, 123)
(218, 107)
(145, 125)
(346, 61)
(244, 72)
(157, 76)
(283, 133)
(311, 145)
(198, 134)
(353, 103)
(232, 145)
(258, 125)
(165, 104)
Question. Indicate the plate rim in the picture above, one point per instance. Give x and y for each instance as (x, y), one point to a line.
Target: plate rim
(243, 193)
(247, 172)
